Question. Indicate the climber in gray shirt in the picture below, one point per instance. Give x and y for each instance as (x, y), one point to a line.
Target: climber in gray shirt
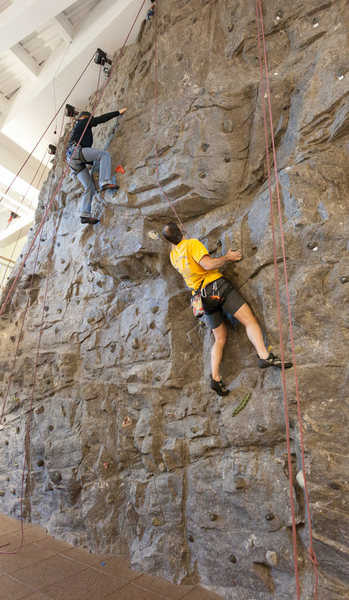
(84, 155)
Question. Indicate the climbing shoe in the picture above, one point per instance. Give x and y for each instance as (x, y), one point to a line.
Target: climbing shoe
(89, 220)
(110, 186)
(219, 387)
(273, 361)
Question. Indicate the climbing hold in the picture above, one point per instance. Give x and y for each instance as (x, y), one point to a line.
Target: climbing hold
(12, 338)
(156, 522)
(344, 279)
(190, 538)
(135, 344)
(271, 558)
(242, 404)
(261, 429)
(240, 483)
(40, 463)
(13, 491)
(227, 126)
(269, 516)
(154, 235)
(279, 15)
(50, 427)
(70, 111)
(202, 175)
(2, 493)
(300, 479)
(315, 22)
(227, 159)
(194, 429)
(120, 169)
(213, 517)
(106, 465)
(205, 147)
(233, 559)
(334, 485)
(51, 149)
(312, 246)
(126, 422)
(102, 564)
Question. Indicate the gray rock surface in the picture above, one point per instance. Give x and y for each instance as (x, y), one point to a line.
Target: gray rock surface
(193, 493)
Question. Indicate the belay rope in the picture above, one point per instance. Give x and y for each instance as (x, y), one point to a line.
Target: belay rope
(311, 552)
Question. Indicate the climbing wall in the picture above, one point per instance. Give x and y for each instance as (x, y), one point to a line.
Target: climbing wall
(130, 450)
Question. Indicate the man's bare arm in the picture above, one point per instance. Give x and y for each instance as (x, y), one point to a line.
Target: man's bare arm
(209, 263)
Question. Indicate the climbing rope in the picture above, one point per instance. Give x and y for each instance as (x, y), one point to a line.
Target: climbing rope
(156, 119)
(29, 418)
(28, 188)
(311, 552)
(39, 231)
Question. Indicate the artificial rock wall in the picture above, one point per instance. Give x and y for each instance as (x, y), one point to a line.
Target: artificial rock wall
(193, 493)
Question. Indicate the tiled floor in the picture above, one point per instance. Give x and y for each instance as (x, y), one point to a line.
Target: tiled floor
(47, 569)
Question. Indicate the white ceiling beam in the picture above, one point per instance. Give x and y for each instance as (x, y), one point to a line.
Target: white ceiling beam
(25, 16)
(25, 60)
(4, 103)
(64, 26)
(12, 158)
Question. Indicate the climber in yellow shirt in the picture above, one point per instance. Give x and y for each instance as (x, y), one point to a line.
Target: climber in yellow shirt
(219, 298)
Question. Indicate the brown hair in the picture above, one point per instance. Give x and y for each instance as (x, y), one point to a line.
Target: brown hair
(172, 233)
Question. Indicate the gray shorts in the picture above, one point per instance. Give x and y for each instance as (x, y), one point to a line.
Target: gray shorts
(230, 302)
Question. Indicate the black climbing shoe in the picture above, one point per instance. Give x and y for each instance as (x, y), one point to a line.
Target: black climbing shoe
(89, 220)
(273, 361)
(110, 186)
(218, 387)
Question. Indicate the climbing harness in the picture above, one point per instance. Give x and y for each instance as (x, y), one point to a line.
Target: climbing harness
(311, 553)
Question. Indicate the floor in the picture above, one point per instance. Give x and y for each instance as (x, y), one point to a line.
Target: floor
(47, 569)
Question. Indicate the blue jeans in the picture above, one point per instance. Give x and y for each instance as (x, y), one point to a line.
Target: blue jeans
(93, 155)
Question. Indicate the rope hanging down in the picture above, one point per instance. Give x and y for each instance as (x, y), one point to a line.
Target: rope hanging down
(311, 553)
(39, 230)
(59, 185)
(156, 119)
(29, 417)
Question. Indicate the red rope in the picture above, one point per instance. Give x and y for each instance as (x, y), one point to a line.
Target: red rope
(311, 552)
(156, 120)
(28, 188)
(59, 185)
(27, 434)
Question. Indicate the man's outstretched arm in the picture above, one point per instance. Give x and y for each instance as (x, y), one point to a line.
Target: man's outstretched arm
(209, 263)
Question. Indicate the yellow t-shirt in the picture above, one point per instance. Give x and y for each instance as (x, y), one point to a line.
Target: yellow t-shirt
(185, 258)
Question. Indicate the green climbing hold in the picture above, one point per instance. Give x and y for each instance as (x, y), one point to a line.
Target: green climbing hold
(242, 403)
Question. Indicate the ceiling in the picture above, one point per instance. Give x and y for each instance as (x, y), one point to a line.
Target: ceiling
(44, 47)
